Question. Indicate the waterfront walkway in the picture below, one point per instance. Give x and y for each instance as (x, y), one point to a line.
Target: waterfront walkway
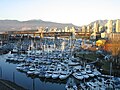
(8, 85)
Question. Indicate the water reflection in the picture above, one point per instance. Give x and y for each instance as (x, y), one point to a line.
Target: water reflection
(30, 83)
(9, 72)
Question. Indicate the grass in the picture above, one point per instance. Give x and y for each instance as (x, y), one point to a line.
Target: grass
(106, 68)
(105, 64)
(91, 56)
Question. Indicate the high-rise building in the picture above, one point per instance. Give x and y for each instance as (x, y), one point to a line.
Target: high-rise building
(118, 25)
(72, 29)
(66, 29)
(84, 29)
(110, 26)
(96, 27)
(73, 32)
(100, 28)
(88, 28)
(40, 29)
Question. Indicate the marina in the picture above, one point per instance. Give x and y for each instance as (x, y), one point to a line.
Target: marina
(54, 65)
(59, 45)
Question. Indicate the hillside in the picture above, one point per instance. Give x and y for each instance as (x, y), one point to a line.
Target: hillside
(15, 25)
(101, 22)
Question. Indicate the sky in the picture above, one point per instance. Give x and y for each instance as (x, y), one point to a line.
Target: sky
(77, 12)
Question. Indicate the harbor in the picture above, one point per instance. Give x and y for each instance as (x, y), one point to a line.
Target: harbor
(59, 45)
(43, 63)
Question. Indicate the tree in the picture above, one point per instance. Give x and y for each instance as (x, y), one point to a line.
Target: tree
(113, 46)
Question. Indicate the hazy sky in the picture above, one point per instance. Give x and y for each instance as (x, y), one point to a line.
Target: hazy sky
(78, 12)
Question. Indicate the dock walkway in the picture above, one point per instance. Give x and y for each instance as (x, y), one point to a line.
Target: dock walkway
(8, 85)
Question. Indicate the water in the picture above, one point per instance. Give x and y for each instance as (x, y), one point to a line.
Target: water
(9, 72)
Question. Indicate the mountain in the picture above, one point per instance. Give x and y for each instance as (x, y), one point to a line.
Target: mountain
(15, 25)
(101, 22)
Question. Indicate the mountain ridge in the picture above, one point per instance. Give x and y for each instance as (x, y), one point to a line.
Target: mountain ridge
(16, 25)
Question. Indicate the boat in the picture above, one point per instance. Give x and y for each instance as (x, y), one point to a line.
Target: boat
(109, 83)
(83, 86)
(36, 72)
(93, 86)
(55, 74)
(96, 84)
(25, 69)
(42, 74)
(10, 57)
(78, 76)
(71, 84)
(21, 59)
(48, 74)
(31, 71)
(20, 66)
(64, 75)
(96, 72)
(15, 50)
(84, 74)
(91, 75)
(71, 63)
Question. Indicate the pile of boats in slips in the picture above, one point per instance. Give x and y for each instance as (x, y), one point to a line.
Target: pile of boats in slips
(45, 72)
(59, 65)
(56, 71)
(98, 83)
(52, 65)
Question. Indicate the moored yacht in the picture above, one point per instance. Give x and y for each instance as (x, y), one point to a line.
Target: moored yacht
(71, 84)
(48, 74)
(78, 75)
(31, 71)
(64, 74)
(55, 74)
(84, 74)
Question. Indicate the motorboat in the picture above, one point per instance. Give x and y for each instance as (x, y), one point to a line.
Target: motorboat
(21, 59)
(91, 75)
(78, 75)
(96, 72)
(42, 74)
(36, 72)
(20, 66)
(31, 71)
(48, 74)
(64, 74)
(84, 74)
(71, 84)
(55, 74)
